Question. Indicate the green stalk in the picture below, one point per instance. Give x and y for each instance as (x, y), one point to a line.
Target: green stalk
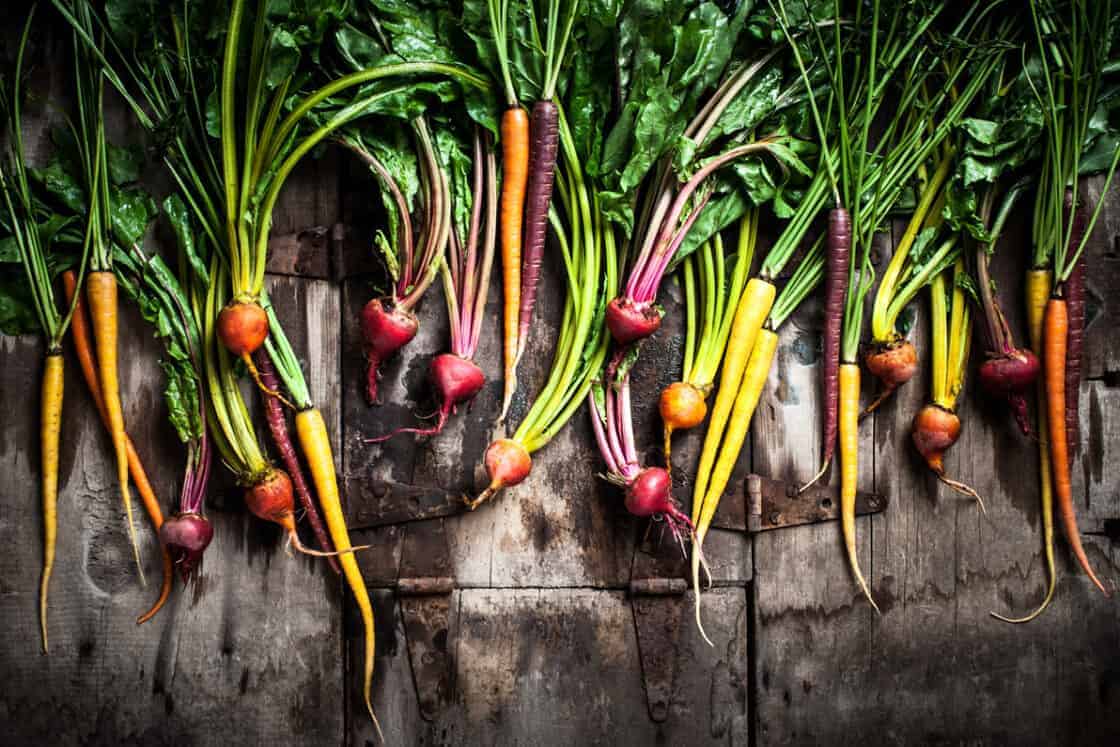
(806, 278)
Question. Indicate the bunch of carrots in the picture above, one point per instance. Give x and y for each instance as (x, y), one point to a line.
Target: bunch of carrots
(816, 125)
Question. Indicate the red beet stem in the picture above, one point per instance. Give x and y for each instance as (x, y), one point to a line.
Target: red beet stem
(278, 427)
(544, 129)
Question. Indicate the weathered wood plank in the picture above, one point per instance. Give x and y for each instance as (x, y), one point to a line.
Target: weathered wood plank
(261, 629)
(555, 666)
(935, 667)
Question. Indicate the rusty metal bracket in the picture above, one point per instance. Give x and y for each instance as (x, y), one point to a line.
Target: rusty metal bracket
(657, 599)
(424, 589)
(773, 504)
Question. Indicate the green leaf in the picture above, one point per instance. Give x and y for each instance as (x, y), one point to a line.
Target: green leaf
(179, 216)
(132, 211)
(17, 308)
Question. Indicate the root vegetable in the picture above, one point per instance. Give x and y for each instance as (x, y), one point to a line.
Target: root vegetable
(386, 328)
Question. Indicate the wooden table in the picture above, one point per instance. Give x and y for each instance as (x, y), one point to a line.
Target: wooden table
(535, 620)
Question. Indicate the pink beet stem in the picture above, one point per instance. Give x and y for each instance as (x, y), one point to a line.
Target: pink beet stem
(601, 435)
(278, 427)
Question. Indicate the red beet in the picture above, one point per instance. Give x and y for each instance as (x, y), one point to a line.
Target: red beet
(386, 328)
(629, 321)
(457, 380)
(1014, 373)
(933, 431)
(650, 495)
(186, 536)
(242, 327)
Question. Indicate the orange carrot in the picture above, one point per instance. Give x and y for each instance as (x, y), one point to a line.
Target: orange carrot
(101, 287)
(80, 328)
(515, 174)
(1054, 369)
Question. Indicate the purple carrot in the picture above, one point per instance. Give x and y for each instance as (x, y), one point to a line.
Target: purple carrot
(1075, 340)
(836, 283)
(278, 427)
(544, 129)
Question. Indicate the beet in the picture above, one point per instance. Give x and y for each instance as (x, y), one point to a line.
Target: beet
(386, 328)
(682, 406)
(629, 321)
(270, 498)
(186, 536)
(457, 380)
(893, 364)
(933, 431)
(650, 495)
(242, 327)
(1014, 373)
(508, 463)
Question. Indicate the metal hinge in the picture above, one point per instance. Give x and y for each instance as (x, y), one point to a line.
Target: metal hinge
(773, 504)
(657, 599)
(424, 589)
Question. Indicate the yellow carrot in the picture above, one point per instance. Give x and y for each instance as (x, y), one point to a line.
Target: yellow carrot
(316, 445)
(50, 425)
(746, 401)
(849, 467)
(1038, 288)
(754, 306)
(101, 287)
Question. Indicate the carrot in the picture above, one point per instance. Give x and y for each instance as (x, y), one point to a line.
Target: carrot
(753, 308)
(746, 400)
(278, 427)
(1075, 343)
(1038, 286)
(849, 467)
(84, 350)
(836, 283)
(1054, 342)
(101, 288)
(316, 445)
(50, 425)
(515, 165)
(544, 130)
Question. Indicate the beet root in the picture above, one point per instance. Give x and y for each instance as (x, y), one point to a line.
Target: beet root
(456, 380)
(508, 463)
(650, 495)
(682, 406)
(386, 328)
(271, 498)
(893, 364)
(1012, 376)
(186, 536)
(933, 431)
(242, 327)
(630, 321)
(1012, 373)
